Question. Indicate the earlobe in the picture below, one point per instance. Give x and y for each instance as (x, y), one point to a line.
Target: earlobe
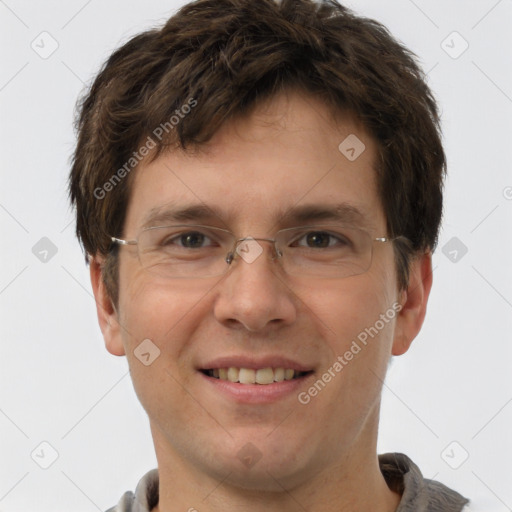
(414, 303)
(107, 314)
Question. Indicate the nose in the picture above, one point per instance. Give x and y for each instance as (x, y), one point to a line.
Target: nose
(253, 294)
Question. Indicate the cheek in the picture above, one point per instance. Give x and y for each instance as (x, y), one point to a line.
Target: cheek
(348, 317)
(164, 312)
(346, 309)
(348, 386)
(167, 315)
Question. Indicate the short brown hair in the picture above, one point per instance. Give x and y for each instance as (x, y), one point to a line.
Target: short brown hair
(230, 55)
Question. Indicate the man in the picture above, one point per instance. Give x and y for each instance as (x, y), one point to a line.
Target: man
(258, 189)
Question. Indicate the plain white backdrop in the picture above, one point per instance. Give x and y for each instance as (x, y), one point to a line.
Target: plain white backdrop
(447, 403)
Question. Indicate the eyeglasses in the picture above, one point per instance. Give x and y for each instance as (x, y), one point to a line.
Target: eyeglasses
(195, 251)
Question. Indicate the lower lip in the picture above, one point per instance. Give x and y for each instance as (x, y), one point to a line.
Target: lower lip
(257, 393)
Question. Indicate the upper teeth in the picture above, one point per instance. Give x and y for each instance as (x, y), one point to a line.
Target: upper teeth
(251, 376)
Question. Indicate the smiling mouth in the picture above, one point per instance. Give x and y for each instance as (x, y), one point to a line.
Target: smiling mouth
(261, 376)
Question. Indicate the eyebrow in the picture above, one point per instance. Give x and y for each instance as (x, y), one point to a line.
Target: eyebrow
(196, 212)
(200, 213)
(342, 212)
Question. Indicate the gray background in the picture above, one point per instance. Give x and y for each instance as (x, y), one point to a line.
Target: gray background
(449, 398)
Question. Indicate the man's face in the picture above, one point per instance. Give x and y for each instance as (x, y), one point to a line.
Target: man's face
(281, 159)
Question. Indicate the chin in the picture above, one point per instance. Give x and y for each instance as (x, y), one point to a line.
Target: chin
(265, 477)
(262, 465)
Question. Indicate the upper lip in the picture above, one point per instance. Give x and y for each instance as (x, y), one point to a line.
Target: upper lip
(255, 363)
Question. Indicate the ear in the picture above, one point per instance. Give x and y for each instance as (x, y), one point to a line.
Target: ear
(414, 303)
(107, 314)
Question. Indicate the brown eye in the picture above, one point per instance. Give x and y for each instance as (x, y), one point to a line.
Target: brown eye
(192, 240)
(321, 240)
(318, 239)
(188, 240)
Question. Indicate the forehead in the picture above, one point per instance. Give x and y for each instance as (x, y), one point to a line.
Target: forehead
(289, 161)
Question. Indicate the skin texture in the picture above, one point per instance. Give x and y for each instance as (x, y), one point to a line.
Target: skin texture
(317, 456)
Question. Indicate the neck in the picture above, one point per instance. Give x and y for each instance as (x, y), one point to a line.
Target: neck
(326, 492)
(356, 483)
